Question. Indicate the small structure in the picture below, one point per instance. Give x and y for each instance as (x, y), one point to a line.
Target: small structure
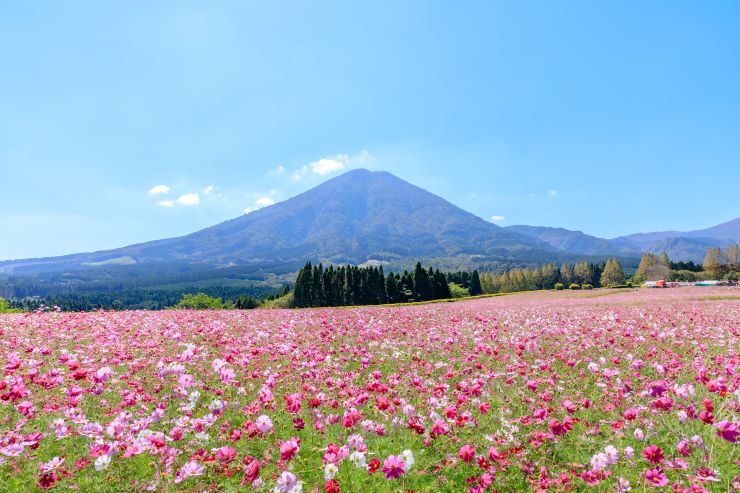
(706, 283)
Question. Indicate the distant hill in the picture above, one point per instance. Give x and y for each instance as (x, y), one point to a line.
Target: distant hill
(357, 217)
(679, 245)
(574, 241)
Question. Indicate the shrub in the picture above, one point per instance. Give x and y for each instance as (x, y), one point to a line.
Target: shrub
(200, 301)
(559, 286)
(586, 286)
(457, 291)
(284, 301)
(574, 286)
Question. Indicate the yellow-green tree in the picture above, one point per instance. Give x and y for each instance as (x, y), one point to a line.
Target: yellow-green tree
(713, 262)
(613, 273)
(652, 267)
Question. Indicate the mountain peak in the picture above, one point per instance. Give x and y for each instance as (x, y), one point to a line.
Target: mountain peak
(357, 216)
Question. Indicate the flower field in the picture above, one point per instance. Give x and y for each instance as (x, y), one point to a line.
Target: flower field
(544, 391)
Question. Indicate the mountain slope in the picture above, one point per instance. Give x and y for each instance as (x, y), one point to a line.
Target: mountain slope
(355, 217)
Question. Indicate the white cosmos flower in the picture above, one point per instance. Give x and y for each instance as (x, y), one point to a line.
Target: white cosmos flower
(330, 471)
(102, 463)
(408, 458)
(357, 458)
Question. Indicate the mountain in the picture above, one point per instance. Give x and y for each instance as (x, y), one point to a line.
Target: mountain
(357, 217)
(574, 241)
(679, 245)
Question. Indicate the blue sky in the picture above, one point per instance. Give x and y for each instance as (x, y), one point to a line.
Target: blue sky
(610, 119)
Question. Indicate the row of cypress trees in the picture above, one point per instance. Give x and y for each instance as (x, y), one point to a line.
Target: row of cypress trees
(352, 285)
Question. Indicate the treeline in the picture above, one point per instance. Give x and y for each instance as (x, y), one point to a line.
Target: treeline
(353, 285)
(145, 299)
(550, 276)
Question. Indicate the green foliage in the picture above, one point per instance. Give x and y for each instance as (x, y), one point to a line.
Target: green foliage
(586, 286)
(457, 291)
(284, 301)
(246, 303)
(5, 307)
(574, 285)
(682, 275)
(199, 301)
(558, 286)
(690, 266)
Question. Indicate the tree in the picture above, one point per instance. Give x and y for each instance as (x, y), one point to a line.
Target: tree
(651, 268)
(583, 272)
(567, 276)
(613, 274)
(391, 289)
(475, 287)
(422, 284)
(713, 262)
(732, 255)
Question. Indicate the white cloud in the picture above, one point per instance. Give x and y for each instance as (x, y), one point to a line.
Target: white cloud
(166, 203)
(328, 165)
(280, 169)
(208, 189)
(552, 193)
(497, 219)
(259, 204)
(264, 201)
(157, 189)
(189, 199)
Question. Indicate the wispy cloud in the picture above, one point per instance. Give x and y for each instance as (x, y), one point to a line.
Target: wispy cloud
(497, 219)
(552, 193)
(159, 189)
(166, 203)
(208, 189)
(189, 199)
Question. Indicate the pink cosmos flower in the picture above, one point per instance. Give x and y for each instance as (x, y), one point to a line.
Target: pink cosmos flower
(189, 470)
(286, 481)
(467, 453)
(264, 424)
(728, 431)
(653, 453)
(225, 455)
(393, 467)
(289, 448)
(656, 477)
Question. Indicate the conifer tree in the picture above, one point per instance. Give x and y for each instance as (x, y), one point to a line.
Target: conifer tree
(475, 287)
